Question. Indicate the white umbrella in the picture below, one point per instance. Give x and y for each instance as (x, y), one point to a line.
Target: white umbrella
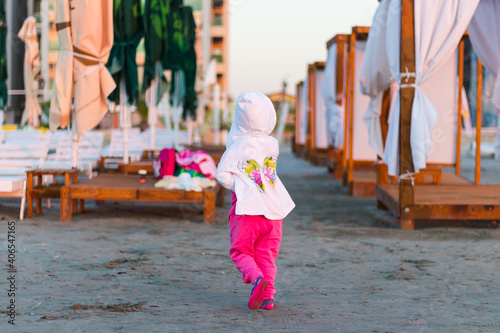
(27, 34)
(85, 33)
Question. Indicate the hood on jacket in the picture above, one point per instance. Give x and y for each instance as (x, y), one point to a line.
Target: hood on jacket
(254, 115)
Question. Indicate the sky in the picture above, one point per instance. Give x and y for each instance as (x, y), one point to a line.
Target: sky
(274, 40)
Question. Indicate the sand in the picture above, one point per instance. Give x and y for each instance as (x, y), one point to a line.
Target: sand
(343, 267)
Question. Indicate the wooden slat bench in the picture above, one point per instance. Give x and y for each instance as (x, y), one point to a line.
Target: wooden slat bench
(121, 187)
(39, 190)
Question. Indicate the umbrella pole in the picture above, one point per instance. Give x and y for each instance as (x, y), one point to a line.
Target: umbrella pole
(74, 155)
(74, 158)
(176, 115)
(152, 107)
(216, 114)
(282, 122)
(225, 107)
(125, 119)
(166, 111)
(190, 130)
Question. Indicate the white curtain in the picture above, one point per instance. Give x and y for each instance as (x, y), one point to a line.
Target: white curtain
(484, 32)
(321, 128)
(338, 111)
(305, 111)
(328, 92)
(439, 25)
(375, 75)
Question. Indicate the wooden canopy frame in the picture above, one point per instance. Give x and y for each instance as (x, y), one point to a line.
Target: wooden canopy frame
(317, 156)
(335, 154)
(359, 175)
(298, 148)
(412, 202)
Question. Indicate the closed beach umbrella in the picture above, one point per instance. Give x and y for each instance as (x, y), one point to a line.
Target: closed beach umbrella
(189, 65)
(27, 34)
(155, 22)
(175, 62)
(128, 32)
(85, 32)
(3, 59)
(175, 36)
(176, 51)
(156, 13)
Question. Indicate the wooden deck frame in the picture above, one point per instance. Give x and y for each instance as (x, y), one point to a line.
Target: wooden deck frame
(358, 175)
(298, 148)
(365, 175)
(117, 187)
(336, 153)
(468, 205)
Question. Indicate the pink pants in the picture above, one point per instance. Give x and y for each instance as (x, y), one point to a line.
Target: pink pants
(255, 243)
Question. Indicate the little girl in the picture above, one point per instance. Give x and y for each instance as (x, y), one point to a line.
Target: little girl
(259, 200)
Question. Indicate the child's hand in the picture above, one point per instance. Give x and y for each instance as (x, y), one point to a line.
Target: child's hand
(226, 179)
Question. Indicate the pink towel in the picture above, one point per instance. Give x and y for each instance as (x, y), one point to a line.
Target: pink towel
(198, 161)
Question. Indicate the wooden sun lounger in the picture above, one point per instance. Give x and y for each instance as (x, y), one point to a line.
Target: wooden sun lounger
(120, 187)
(444, 202)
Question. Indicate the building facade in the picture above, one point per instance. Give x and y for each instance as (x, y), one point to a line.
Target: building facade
(219, 37)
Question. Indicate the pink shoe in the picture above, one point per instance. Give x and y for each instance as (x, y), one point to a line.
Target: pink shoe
(268, 304)
(257, 296)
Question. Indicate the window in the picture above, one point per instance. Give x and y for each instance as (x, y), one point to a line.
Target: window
(217, 55)
(218, 20)
(218, 3)
(217, 41)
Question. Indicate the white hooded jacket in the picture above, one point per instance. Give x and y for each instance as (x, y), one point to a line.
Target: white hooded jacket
(248, 166)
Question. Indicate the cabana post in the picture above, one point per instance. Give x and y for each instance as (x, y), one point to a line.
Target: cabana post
(407, 93)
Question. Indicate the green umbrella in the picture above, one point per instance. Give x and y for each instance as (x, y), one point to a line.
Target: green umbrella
(189, 63)
(3, 56)
(175, 61)
(155, 42)
(175, 36)
(128, 32)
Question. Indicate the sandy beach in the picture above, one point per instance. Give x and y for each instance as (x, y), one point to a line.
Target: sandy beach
(343, 267)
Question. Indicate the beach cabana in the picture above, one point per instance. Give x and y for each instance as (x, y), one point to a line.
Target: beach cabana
(316, 140)
(301, 118)
(421, 40)
(333, 92)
